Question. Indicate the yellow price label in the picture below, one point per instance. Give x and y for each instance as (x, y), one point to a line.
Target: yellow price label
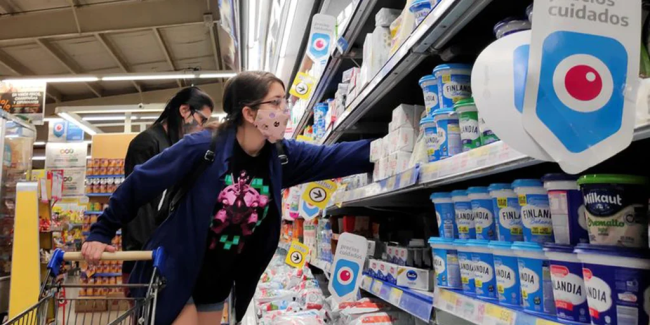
(376, 287)
(390, 183)
(502, 202)
(478, 282)
(448, 296)
(524, 294)
(541, 321)
(446, 78)
(395, 295)
(499, 313)
(463, 229)
(500, 288)
(522, 200)
(297, 254)
(479, 229)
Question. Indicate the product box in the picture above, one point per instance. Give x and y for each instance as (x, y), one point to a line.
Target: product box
(414, 278)
(378, 171)
(350, 74)
(390, 253)
(403, 256)
(382, 271)
(403, 138)
(373, 267)
(391, 276)
(407, 115)
(371, 248)
(385, 166)
(385, 16)
(399, 161)
(426, 257)
(376, 150)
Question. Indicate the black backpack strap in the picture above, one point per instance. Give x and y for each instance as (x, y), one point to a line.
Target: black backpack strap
(198, 169)
(283, 157)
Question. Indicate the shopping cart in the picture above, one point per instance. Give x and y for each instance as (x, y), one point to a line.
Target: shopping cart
(63, 301)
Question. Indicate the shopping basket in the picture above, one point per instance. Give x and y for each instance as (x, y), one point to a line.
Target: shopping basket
(68, 306)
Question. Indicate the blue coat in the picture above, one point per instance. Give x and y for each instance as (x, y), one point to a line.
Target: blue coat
(184, 233)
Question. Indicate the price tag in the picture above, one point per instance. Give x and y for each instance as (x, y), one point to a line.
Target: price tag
(376, 287)
(498, 316)
(448, 301)
(390, 183)
(365, 283)
(541, 321)
(395, 296)
(406, 178)
(430, 171)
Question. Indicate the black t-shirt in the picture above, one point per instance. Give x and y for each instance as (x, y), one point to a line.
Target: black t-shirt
(243, 203)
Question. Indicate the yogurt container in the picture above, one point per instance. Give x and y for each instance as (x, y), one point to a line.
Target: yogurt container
(506, 212)
(506, 270)
(569, 288)
(567, 209)
(466, 266)
(445, 263)
(464, 215)
(483, 263)
(534, 278)
(470, 136)
(510, 26)
(616, 209)
(487, 136)
(429, 85)
(421, 8)
(454, 83)
(529, 12)
(445, 214)
(483, 211)
(448, 136)
(430, 132)
(535, 210)
(618, 283)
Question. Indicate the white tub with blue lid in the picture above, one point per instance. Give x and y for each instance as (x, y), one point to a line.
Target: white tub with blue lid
(567, 208)
(448, 136)
(430, 134)
(618, 283)
(421, 8)
(510, 26)
(569, 289)
(429, 85)
(483, 263)
(483, 210)
(534, 278)
(464, 215)
(445, 215)
(507, 212)
(506, 270)
(466, 266)
(535, 210)
(454, 83)
(445, 263)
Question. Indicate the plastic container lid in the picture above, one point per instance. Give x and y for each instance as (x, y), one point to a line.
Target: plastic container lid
(444, 113)
(508, 20)
(612, 179)
(421, 2)
(527, 183)
(426, 120)
(499, 186)
(553, 177)
(478, 190)
(444, 243)
(477, 242)
(527, 246)
(501, 245)
(558, 248)
(426, 78)
(458, 193)
(440, 195)
(459, 66)
(460, 242)
(584, 248)
(464, 102)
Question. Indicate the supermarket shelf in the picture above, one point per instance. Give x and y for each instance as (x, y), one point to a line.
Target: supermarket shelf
(98, 194)
(104, 176)
(357, 22)
(444, 21)
(417, 303)
(478, 311)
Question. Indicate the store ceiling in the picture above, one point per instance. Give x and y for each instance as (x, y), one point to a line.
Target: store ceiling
(50, 37)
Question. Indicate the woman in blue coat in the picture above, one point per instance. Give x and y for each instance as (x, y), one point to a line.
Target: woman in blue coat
(225, 230)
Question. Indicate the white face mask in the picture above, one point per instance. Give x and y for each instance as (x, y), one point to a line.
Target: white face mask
(272, 123)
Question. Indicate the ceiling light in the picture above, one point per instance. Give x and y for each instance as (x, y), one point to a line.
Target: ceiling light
(38, 158)
(287, 27)
(39, 143)
(217, 75)
(252, 21)
(53, 79)
(78, 123)
(108, 118)
(149, 77)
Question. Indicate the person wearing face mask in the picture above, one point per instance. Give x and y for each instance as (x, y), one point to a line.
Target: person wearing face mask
(185, 113)
(223, 232)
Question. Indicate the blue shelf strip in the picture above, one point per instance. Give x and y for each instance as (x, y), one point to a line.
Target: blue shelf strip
(413, 302)
(99, 194)
(104, 176)
(94, 212)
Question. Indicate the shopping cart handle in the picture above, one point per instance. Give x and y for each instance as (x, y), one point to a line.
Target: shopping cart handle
(157, 256)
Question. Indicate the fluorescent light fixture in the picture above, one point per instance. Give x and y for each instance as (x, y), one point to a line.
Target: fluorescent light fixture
(107, 118)
(39, 143)
(217, 75)
(252, 21)
(147, 117)
(293, 5)
(129, 77)
(53, 79)
(38, 158)
(52, 119)
(82, 126)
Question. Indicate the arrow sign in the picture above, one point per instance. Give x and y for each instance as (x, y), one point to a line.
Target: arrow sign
(296, 255)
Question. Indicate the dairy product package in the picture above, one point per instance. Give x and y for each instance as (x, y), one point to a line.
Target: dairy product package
(378, 170)
(402, 139)
(403, 256)
(390, 253)
(385, 16)
(391, 275)
(379, 49)
(400, 161)
(376, 150)
(373, 267)
(371, 248)
(414, 278)
(349, 74)
(391, 166)
(407, 115)
(382, 271)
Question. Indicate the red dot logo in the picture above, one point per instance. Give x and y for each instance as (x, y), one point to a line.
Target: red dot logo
(320, 44)
(583, 82)
(345, 275)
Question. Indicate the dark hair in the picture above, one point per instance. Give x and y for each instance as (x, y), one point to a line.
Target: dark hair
(245, 89)
(195, 98)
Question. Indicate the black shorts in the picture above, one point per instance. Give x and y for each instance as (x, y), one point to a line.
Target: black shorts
(216, 278)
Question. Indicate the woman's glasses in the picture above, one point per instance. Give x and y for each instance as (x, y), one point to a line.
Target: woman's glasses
(278, 103)
(204, 118)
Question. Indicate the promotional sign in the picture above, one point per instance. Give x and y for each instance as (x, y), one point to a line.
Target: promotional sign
(302, 86)
(74, 182)
(348, 263)
(308, 211)
(321, 36)
(297, 255)
(65, 155)
(63, 131)
(319, 193)
(584, 60)
(24, 99)
(498, 84)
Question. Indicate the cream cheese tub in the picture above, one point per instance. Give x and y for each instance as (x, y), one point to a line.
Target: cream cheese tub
(445, 263)
(534, 278)
(506, 212)
(429, 85)
(466, 266)
(470, 135)
(567, 209)
(616, 207)
(535, 210)
(618, 283)
(569, 289)
(464, 215)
